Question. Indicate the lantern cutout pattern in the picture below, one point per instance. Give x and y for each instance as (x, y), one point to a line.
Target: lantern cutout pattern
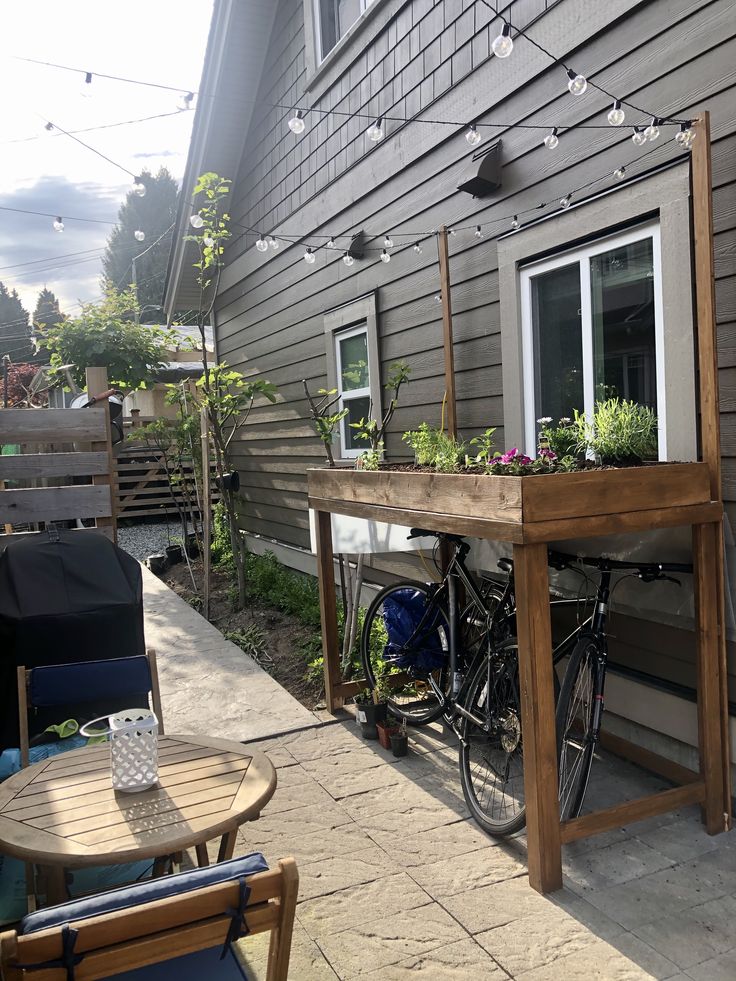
(133, 736)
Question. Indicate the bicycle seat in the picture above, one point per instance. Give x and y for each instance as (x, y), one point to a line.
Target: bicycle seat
(506, 565)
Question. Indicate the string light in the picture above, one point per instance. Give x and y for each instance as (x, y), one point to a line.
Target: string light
(139, 235)
(638, 138)
(437, 298)
(185, 102)
(652, 130)
(503, 45)
(139, 187)
(86, 85)
(309, 257)
(616, 116)
(473, 136)
(261, 243)
(273, 242)
(619, 173)
(686, 134)
(417, 248)
(515, 222)
(348, 259)
(388, 243)
(551, 140)
(565, 202)
(375, 130)
(331, 243)
(577, 84)
(196, 220)
(385, 257)
(296, 123)
(58, 225)
(478, 231)
(48, 127)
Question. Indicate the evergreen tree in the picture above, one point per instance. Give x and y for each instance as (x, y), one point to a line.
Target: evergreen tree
(15, 331)
(47, 310)
(151, 214)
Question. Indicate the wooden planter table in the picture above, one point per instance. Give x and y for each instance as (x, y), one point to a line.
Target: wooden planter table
(529, 512)
(62, 813)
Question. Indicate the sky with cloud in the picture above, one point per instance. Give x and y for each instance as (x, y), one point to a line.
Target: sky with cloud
(159, 41)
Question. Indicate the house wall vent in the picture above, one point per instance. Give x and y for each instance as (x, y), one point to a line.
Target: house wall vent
(485, 176)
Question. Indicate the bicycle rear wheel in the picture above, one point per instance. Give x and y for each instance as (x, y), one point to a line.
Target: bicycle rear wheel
(492, 754)
(576, 710)
(418, 654)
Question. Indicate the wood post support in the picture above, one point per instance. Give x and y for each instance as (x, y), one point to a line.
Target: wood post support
(450, 397)
(206, 513)
(328, 610)
(534, 633)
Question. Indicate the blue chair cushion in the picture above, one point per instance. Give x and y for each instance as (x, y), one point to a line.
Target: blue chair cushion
(86, 681)
(13, 898)
(204, 965)
(145, 892)
(36, 754)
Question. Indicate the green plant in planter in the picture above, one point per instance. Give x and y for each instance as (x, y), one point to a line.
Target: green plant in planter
(370, 429)
(562, 437)
(434, 448)
(622, 432)
(484, 442)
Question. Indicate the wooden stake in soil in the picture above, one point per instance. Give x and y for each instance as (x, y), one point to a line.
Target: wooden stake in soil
(447, 332)
(206, 514)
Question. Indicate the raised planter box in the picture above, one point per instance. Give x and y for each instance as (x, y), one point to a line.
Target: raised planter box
(520, 509)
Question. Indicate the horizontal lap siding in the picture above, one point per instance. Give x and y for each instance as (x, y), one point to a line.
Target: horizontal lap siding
(678, 56)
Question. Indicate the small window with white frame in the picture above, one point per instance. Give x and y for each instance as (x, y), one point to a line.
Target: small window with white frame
(333, 19)
(592, 329)
(353, 369)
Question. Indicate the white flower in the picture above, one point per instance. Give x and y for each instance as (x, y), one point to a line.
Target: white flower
(565, 420)
(544, 420)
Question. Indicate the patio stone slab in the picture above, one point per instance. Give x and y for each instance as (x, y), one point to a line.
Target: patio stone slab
(722, 968)
(686, 939)
(456, 962)
(306, 962)
(603, 867)
(451, 876)
(435, 843)
(600, 961)
(208, 685)
(328, 876)
(359, 904)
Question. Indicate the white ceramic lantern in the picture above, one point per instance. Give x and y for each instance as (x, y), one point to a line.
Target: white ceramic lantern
(133, 736)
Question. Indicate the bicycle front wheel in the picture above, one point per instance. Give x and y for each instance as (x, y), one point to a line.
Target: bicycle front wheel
(491, 747)
(576, 725)
(405, 632)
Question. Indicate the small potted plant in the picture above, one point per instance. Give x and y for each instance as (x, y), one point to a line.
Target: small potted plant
(400, 740)
(372, 708)
(386, 730)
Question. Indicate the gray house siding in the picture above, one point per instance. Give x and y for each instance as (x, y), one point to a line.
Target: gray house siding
(677, 56)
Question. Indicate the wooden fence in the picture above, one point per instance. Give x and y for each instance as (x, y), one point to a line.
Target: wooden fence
(56, 448)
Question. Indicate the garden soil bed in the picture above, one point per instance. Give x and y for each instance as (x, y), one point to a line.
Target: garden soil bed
(290, 643)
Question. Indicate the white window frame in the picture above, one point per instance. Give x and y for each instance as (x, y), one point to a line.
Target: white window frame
(582, 256)
(353, 393)
(323, 55)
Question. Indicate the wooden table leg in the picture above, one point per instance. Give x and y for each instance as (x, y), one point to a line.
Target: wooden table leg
(227, 845)
(706, 579)
(328, 609)
(203, 858)
(534, 634)
(54, 884)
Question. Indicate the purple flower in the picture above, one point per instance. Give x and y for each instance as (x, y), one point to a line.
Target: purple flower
(515, 456)
(547, 454)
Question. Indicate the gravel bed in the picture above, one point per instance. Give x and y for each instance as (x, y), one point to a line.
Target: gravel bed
(143, 540)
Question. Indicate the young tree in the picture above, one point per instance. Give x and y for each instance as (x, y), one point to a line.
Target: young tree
(152, 215)
(15, 331)
(47, 312)
(107, 334)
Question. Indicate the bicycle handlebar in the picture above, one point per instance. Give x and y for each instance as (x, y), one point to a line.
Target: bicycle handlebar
(562, 560)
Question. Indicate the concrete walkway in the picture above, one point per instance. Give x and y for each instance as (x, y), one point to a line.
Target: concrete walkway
(208, 685)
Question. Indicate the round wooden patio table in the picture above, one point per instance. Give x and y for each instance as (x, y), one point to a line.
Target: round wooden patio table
(62, 813)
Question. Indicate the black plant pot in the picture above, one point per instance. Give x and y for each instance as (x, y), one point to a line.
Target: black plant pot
(157, 564)
(399, 743)
(368, 715)
(229, 481)
(192, 546)
(173, 554)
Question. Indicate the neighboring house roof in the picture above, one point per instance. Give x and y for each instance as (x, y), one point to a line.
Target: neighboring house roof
(236, 51)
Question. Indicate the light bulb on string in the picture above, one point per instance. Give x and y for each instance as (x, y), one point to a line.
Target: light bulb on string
(196, 220)
(273, 242)
(515, 222)
(691, 133)
(375, 130)
(139, 188)
(385, 257)
(451, 231)
(616, 116)
(478, 232)
(551, 140)
(261, 243)
(331, 243)
(139, 235)
(348, 259)
(638, 137)
(417, 248)
(388, 242)
(58, 225)
(577, 84)
(48, 127)
(503, 45)
(86, 91)
(565, 202)
(185, 102)
(619, 173)
(309, 257)
(208, 241)
(652, 130)
(437, 298)
(473, 136)
(296, 123)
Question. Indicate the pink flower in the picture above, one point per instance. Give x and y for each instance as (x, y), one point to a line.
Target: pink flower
(547, 454)
(515, 456)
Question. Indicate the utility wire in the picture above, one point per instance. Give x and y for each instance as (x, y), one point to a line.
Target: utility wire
(94, 129)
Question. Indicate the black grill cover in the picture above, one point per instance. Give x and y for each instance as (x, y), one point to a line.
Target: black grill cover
(64, 596)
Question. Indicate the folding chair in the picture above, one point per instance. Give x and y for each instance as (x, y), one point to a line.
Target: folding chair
(182, 926)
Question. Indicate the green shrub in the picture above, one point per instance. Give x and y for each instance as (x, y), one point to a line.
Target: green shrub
(435, 448)
(621, 432)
